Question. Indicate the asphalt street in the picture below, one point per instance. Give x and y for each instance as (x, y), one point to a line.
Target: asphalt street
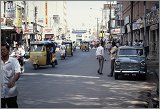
(75, 83)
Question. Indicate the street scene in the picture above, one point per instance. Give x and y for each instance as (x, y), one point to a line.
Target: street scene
(80, 54)
(75, 83)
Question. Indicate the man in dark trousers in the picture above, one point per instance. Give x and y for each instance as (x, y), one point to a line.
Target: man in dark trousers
(10, 73)
(113, 53)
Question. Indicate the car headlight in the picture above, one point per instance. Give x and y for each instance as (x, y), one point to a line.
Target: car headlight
(143, 63)
(117, 62)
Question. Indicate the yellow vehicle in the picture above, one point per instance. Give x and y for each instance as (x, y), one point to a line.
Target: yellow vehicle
(69, 48)
(43, 53)
(84, 46)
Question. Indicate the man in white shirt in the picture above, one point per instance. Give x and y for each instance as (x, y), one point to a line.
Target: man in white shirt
(10, 73)
(113, 53)
(18, 50)
(100, 57)
(63, 49)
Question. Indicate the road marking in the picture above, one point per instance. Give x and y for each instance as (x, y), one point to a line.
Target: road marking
(61, 75)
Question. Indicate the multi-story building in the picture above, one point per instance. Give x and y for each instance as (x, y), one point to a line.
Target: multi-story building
(119, 22)
(50, 14)
(109, 8)
(12, 15)
(150, 36)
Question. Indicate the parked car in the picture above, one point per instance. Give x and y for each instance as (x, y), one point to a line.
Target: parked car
(130, 61)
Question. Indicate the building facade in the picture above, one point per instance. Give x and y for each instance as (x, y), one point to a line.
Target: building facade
(140, 20)
(109, 8)
(12, 15)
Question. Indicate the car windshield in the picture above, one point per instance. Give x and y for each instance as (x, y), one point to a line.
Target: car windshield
(131, 52)
(36, 48)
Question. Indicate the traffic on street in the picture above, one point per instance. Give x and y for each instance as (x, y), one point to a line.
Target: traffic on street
(79, 54)
(75, 83)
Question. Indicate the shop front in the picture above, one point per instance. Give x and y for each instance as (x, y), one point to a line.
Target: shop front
(153, 23)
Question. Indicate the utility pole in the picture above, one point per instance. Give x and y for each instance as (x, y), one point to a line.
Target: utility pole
(102, 24)
(144, 37)
(97, 27)
(131, 23)
(46, 13)
(4, 8)
(120, 5)
(110, 21)
(35, 15)
(25, 25)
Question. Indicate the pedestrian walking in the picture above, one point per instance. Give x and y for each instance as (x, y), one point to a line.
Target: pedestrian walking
(10, 73)
(113, 53)
(100, 57)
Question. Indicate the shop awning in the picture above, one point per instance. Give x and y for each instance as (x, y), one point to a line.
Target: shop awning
(7, 27)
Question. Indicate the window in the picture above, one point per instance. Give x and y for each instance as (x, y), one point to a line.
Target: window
(36, 48)
(131, 52)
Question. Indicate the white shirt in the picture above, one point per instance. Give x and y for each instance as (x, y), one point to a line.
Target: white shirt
(141, 44)
(8, 70)
(62, 49)
(114, 52)
(100, 51)
(19, 51)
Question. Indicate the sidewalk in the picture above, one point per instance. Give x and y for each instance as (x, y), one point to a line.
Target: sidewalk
(153, 66)
(153, 96)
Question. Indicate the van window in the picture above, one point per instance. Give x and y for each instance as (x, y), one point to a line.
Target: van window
(36, 48)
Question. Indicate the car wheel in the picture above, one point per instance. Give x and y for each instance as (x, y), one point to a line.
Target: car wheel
(35, 66)
(116, 76)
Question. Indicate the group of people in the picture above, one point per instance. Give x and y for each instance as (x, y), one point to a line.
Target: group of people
(135, 43)
(100, 56)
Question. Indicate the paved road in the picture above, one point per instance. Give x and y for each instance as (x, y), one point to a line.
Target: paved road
(74, 83)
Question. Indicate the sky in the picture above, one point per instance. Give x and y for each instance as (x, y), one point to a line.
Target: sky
(80, 14)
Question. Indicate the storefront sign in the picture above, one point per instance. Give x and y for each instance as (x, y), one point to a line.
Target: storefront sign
(10, 9)
(115, 31)
(3, 27)
(48, 31)
(29, 29)
(19, 17)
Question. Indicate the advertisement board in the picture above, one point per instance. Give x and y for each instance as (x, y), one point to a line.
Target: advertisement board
(10, 9)
(19, 17)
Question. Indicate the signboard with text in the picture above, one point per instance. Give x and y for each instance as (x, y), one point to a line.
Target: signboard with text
(10, 9)
(19, 17)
